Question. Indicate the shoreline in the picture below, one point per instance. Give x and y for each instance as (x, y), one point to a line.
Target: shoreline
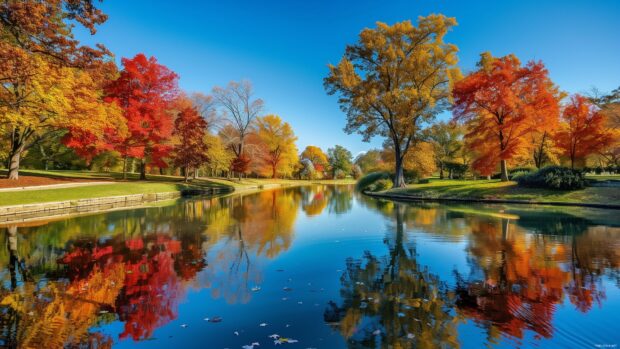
(32, 212)
(411, 198)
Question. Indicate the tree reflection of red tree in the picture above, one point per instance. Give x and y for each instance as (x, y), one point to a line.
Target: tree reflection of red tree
(524, 280)
(155, 267)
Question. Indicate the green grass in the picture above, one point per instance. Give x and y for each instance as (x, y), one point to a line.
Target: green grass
(95, 191)
(603, 177)
(495, 189)
(153, 184)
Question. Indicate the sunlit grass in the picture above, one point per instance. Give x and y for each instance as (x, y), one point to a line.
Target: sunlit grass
(495, 189)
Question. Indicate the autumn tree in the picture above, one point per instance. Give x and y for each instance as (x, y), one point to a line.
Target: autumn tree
(610, 107)
(39, 62)
(145, 91)
(47, 100)
(395, 80)
(240, 109)
(340, 159)
(582, 130)
(446, 140)
(220, 157)
(191, 151)
(370, 161)
(499, 101)
(316, 156)
(277, 145)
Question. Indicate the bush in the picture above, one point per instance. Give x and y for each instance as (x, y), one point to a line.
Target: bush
(365, 181)
(553, 177)
(380, 185)
(521, 169)
(424, 181)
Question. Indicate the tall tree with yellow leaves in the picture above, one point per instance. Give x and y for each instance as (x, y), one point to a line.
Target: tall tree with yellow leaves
(394, 80)
(37, 50)
(278, 153)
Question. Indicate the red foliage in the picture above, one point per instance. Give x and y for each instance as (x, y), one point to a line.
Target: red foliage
(190, 128)
(240, 164)
(499, 102)
(583, 130)
(145, 90)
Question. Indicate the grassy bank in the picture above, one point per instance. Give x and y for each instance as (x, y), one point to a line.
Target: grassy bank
(494, 189)
(154, 184)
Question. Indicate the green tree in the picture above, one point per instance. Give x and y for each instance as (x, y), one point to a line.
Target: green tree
(447, 141)
(339, 159)
(395, 80)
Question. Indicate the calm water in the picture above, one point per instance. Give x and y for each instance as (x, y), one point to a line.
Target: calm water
(319, 265)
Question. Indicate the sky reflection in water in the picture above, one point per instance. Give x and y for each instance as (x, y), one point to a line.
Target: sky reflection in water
(320, 265)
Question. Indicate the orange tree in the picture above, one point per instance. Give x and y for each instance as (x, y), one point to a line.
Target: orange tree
(499, 102)
(583, 130)
(50, 82)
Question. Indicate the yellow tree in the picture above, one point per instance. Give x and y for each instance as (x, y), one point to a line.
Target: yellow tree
(277, 148)
(36, 44)
(395, 80)
(220, 157)
(46, 98)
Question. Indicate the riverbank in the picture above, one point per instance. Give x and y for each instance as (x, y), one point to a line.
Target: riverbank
(495, 191)
(104, 191)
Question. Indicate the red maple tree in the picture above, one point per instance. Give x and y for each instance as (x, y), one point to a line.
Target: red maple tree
(582, 130)
(145, 90)
(191, 150)
(498, 101)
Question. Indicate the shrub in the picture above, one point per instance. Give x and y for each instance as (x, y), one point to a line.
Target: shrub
(380, 185)
(339, 174)
(424, 181)
(365, 181)
(553, 177)
(521, 169)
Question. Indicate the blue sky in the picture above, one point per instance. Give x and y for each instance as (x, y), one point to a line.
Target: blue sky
(284, 47)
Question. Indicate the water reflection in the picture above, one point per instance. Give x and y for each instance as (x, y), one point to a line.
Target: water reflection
(63, 282)
(392, 300)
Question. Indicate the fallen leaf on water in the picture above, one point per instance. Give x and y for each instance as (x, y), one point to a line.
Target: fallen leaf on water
(263, 324)
(255, 289)
(183, 325)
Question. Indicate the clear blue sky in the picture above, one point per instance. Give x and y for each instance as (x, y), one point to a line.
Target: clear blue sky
(284, 47)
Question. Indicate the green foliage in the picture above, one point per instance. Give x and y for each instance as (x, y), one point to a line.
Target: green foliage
(553, 177)
(456, 170)
(340, 159)
(381, 185)
(366, 180)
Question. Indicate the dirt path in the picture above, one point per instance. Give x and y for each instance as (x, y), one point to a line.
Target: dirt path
(41, 183)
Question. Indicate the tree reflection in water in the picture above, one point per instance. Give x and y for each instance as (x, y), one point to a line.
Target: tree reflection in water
(392, 301)
(517, 279)
(60, 282)
(135, 266)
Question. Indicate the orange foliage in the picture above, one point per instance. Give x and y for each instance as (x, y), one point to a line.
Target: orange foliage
(500, 102)
(583, 130)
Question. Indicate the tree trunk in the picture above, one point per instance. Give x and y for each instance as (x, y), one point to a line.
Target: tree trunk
(399, 176)
(125, 167)
(14, 158)
(441, 170)
(142, 170)
(185, 173)
(195, 173)
(504, 170)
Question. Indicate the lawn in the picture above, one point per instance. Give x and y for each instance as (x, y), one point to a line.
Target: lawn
(495, 189)
(154, 184)
(114, 189)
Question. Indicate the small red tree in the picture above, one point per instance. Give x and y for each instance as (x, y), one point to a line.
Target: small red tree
(191, 151)
(582, 130)
(144, 90)
(240, 164)
(498, 101)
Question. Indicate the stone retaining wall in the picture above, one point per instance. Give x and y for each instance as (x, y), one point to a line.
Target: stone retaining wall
(27, 212)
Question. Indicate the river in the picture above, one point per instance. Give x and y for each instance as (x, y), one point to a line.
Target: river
(314, 267)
